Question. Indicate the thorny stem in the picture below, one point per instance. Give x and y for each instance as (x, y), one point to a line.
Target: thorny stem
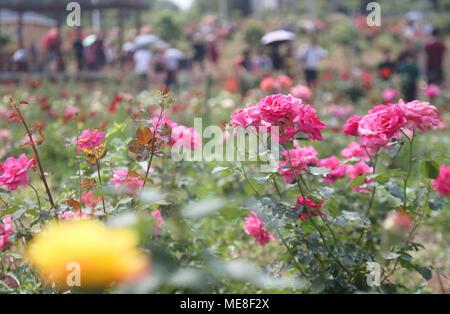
(30, 136)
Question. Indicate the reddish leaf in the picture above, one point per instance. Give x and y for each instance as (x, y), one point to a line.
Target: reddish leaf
(144, 135)
(74, 204)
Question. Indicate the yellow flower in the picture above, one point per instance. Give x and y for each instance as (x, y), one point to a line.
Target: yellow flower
(104, 255)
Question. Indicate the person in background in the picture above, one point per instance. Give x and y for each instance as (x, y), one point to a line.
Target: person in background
(212, 49)
(79, 52)
(99, 51)
(142, 59)
(262, 64)
(172, 58)
(386, 67)
(435, 52)
(277, 60)
(199, 49)
(246, 62)
(159, 66)
(409, 73)
(288, 62)
(310, 56)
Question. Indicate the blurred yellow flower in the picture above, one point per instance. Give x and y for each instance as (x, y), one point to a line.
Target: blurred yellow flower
(104, 255)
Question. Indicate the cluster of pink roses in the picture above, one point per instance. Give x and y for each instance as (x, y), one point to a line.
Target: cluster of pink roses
(384, 122)
(14, 172)
(284, 111)
(353, 150)
(6, 229)
(254, 226)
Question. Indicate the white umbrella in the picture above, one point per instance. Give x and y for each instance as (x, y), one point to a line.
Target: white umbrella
(277, 37)
(89, 40)
(143, 41)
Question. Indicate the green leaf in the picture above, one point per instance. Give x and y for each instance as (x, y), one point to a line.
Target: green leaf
(436, 203)
(219, 169)
(425, 272)
(430, 169)
(394, 189)
(358, 181)
(389, 255)
(351, 161)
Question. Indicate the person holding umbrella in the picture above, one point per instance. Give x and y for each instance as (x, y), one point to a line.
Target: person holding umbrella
(274, 40)
(310, 56)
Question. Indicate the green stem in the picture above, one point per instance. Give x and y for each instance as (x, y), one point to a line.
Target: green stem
(37, 195)
(101, 187)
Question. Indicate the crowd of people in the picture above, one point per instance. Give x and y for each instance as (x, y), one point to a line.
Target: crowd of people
(162, 63)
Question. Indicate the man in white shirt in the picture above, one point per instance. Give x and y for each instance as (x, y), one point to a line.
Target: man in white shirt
(142, 59)
(310, 55)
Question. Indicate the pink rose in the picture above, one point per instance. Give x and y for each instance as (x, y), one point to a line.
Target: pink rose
(300, 158)
(309, 123)
(442, 183)
(302, 92)
(246, 117)
(14, 172)
(285, 81)
(432, 91)
(254, 227)
(357, 170)
(89, 139)
(6, 229)
(278, 108)
(310, 208)
(130, 185)
(159, 222)
(350, 127)
(381, 125)
(268, 84)
(389, 95)
(337, 170)
(69, 113)
(354, 150)
(69, 215)
(186, 137)
(354, 171)
(420, 115)
(89, 199)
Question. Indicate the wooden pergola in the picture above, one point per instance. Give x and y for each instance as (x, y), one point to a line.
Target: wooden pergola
(58, 8)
